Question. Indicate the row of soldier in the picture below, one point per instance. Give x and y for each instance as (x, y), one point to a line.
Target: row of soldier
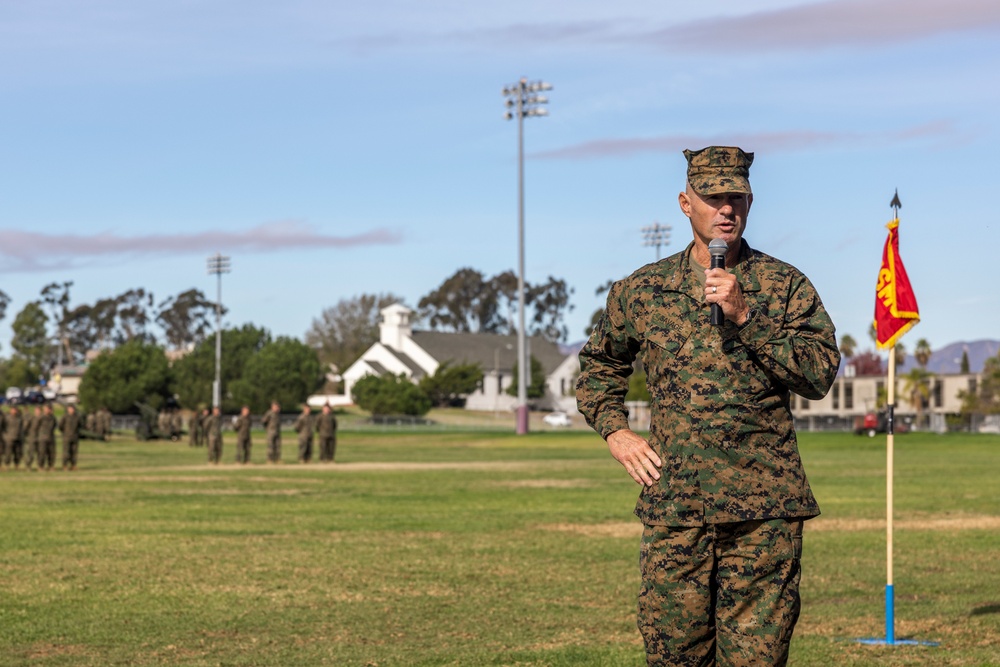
(31, 437)
(206, 428)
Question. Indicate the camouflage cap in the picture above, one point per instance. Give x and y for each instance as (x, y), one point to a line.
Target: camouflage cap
(719, 169)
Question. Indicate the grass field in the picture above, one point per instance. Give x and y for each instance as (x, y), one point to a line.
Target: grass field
(458, 548)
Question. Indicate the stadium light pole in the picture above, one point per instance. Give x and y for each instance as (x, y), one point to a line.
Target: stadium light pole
(656, 235)
(217, 265)
(522, 101)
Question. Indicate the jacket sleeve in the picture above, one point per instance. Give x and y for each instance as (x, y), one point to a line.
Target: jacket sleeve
(605, 366)
(797, 347)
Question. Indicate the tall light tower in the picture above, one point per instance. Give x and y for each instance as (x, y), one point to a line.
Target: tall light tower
(522, 101)
(656, 235)
(217, 265)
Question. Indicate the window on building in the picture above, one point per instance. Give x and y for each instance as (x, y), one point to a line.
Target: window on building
(499, 383)
(803, 403)
(938, 393)
(973, 387)
(848, 396)
(836, 395)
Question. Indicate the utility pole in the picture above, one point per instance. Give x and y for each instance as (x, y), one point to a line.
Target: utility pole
(523, 101)
(217, 265)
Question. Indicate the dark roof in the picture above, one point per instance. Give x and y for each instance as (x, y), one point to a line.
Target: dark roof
(377, 367)
(487, 350)
(416, 371)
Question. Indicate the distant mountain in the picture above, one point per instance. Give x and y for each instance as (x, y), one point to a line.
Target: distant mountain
(948, 359)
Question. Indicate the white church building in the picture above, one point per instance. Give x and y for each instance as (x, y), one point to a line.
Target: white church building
(417, 354)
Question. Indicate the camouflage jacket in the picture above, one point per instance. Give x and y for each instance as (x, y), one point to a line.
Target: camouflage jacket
(46, 426)
(272, 421)
(69, 424)
(720, 418)
(326, 425)
(213, 428)
(13, 428)
(242, 427)
(304, 427)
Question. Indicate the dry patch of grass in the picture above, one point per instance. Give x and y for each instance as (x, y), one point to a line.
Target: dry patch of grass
(941, 522)
(618, 529)
(545, 484)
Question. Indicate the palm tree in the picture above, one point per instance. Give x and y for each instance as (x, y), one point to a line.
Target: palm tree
(917, 387)
(922, 352)
(848, 346)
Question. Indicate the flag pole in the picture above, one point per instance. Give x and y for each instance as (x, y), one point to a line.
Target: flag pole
(890, 598)
(895, 313)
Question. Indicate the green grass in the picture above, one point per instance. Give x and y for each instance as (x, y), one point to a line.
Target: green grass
(458, 548)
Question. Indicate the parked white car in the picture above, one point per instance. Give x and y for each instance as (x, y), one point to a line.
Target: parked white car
(557, 419)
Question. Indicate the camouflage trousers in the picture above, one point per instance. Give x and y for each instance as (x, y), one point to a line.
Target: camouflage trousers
(31, 453)
(242, 450)
(13, 453)
(46, 453)
(70, 450)
(327, 448)
(214, 449)
(305, 449)
(722, 594)
(273, 447)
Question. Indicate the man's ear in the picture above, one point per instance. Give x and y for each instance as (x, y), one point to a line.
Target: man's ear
(685, 203)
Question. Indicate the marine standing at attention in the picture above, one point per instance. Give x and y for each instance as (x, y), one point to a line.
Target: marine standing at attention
(14, 437)
(213, 430)
(242, 426)
(326, 429)
(304, 427)
(724, 493)
(272, 421)
(46, 439)
(69, 424)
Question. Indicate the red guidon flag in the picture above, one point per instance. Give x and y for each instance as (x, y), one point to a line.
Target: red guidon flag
(895, 303)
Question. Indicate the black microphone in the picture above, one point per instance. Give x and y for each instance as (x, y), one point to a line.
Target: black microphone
(717, 248)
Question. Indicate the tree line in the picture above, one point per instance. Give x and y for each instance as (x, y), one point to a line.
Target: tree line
(50, 330)
(256, 369)
(133, 331)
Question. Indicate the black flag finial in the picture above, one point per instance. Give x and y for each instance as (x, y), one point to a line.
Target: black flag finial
(895, 204)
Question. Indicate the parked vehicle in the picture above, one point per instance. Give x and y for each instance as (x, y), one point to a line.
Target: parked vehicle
(873, 423)
(557, 419)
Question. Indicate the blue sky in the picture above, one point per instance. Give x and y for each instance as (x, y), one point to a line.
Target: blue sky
(338, 148)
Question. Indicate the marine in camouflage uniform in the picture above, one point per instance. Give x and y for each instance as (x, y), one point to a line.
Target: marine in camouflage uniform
(242, 426)
(304, 427)
(31, 423)
(14, 437)
(206, 414)
(46, 439)
(104, 423)
(724, 491)
(69, 424)
(272, 421)
(326, 429)
(5, 450)
(194, 429)
(213, 430)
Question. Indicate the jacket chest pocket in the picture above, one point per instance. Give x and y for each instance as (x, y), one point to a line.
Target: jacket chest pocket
(666, 360)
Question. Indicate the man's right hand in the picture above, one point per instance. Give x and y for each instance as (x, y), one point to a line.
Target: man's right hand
(636, 456)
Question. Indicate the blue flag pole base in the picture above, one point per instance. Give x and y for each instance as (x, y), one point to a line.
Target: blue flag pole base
(880, 641)
(890, 627)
